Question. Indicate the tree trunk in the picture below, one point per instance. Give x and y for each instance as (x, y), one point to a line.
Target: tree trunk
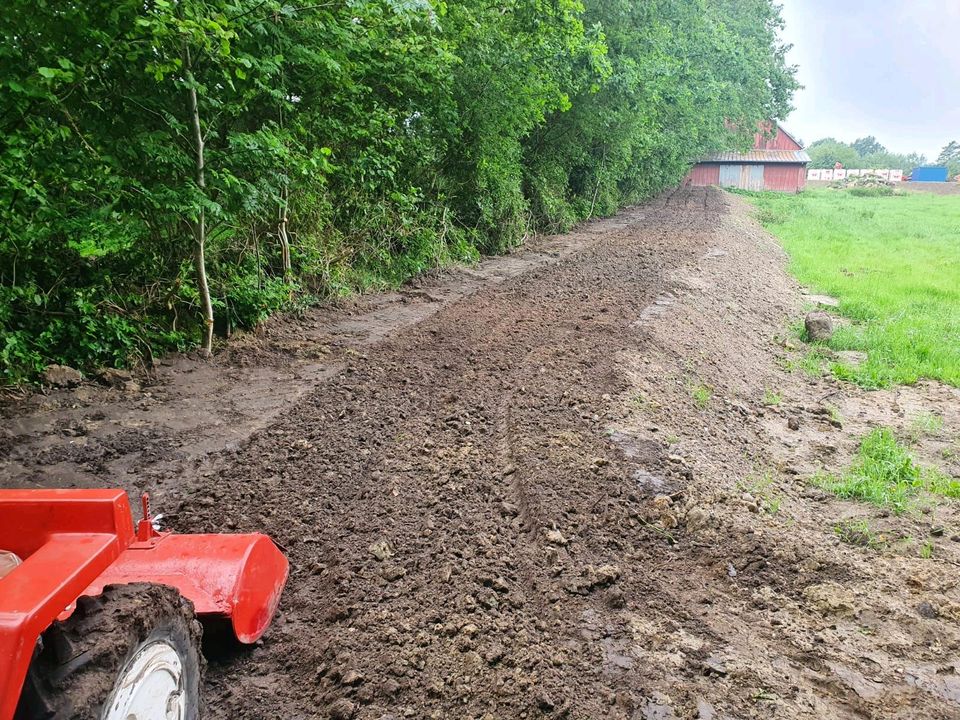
(199, 228)
(284, 237)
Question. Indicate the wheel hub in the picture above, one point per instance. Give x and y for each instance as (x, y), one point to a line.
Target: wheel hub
(150, 686)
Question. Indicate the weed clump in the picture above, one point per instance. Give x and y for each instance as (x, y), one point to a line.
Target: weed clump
(701, 395)
(925, 424)
(886, 474)
(859, 533)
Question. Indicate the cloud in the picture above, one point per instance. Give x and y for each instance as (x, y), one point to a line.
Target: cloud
(877, 67)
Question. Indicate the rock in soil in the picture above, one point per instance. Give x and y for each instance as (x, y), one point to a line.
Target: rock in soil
(555, 537)
(382, 550)
(831, 598)
(114, 377)
(61, 376)
(819, 326)
(342, 709)
(928, 611)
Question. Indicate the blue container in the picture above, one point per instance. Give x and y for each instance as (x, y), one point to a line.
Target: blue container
(929, 174)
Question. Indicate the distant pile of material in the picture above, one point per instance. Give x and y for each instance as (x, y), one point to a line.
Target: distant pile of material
(865, 185)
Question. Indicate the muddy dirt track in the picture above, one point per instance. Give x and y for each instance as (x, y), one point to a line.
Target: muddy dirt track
(560, 494)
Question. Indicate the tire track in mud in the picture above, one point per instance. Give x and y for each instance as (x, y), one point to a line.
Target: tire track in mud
(518, 502)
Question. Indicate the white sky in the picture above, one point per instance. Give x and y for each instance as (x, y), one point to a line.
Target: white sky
(889, 68)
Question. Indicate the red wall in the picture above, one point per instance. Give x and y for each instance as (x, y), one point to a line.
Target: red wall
(780, 141)
(785, 178)
(703, 175)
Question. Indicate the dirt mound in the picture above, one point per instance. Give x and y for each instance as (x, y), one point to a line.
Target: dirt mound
(524, 507)
(567, 493)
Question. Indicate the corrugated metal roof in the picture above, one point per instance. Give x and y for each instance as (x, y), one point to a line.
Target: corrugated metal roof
(760, 156)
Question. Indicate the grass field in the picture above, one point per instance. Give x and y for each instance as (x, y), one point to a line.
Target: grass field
(894, 265)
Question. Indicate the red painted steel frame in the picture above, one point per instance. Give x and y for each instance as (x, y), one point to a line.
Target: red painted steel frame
(75, 542)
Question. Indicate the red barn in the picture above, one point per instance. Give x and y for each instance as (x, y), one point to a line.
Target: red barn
(776, 162)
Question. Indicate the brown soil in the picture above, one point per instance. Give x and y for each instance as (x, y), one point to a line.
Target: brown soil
(549, 487)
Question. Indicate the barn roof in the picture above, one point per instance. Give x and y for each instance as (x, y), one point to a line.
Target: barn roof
(759, 156)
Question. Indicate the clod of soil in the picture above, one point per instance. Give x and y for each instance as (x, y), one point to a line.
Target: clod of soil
(61, 376)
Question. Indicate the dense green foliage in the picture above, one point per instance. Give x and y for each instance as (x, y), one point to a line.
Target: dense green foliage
(950, 157)
(893, 263)
(867, 146)
(861, 153)
(321, 148)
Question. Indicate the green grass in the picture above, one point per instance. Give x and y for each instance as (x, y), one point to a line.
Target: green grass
(858, 532)
(939, 483)
(924, 424)
(810, 362)
(771, 398)
(879, 191)
(762, 486)
(643, 403)
(886, 474)
(701, 395)
(894, 265)
(836, 417)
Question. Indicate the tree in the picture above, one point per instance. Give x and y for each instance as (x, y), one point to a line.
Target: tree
(170, 170)
(950, 153)
(680, 72)
(867, 146)
(907, 163)
(827, 153)
(822, 141)
(950, 156)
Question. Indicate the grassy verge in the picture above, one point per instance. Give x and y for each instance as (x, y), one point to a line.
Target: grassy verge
(893, 263)
(886, 474)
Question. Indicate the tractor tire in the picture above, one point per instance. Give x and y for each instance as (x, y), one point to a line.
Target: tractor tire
(131, 652)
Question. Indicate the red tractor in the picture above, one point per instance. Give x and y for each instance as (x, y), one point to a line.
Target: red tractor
(99, 620)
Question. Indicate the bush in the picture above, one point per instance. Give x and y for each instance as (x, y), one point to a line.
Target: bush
(875, 191)
(376, 139)
(865, 186)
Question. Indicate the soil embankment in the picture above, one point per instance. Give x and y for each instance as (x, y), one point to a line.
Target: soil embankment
(553, 487)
